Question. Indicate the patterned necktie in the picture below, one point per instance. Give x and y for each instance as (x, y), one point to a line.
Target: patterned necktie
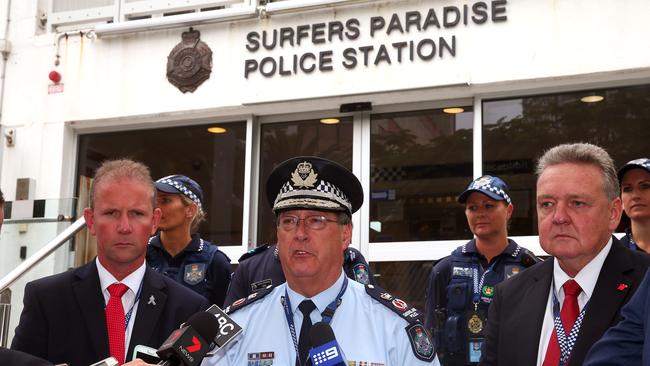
(115, 321)
(304, 344)
(568, 315)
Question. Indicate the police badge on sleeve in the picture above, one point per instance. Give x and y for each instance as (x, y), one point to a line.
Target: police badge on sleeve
(194, 273)
(420, 342)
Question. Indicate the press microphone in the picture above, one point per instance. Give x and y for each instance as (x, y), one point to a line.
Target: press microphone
(188, 345)
(110, 361)
(228, 329)
(325, 350)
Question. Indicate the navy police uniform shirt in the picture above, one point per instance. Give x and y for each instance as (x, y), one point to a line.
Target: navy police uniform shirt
(370, 326)
(628, 241)
(261, 267)
(458, 296)
(200, 266)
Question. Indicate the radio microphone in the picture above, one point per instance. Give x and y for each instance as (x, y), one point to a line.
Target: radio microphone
(188, 345)
(325, 351)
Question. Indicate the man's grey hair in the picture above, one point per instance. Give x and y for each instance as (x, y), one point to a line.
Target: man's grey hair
(583, 153)
(122, 168)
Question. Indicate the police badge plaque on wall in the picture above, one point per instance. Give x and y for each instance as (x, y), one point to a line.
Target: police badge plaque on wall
(189, 64)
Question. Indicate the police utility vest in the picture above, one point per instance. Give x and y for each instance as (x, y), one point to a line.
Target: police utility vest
(469, 294)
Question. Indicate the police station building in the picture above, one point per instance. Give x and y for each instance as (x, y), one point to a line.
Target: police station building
(416, 97)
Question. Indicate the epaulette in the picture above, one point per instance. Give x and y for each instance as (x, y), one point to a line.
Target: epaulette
(238, 304)
(419, 337)
(252, 252)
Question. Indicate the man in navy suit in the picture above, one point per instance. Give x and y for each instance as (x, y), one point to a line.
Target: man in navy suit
(64, 319)
(625, 344)
(556, 310)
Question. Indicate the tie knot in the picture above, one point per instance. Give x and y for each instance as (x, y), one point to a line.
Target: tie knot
(306, 307)
(571, 288)
(117, 289)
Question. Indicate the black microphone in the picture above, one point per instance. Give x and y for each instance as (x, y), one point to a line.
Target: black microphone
(187, 346)
(325, 350)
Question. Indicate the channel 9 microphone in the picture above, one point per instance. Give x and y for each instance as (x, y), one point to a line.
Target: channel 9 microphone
(188, 345)
(325, 350)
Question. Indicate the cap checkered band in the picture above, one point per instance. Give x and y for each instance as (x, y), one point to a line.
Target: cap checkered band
(644, 162)
(486, 185)
(325, 195)
(182, 189)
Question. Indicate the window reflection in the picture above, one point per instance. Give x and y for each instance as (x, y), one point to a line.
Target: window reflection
(282, 141)
(517, 131)
(405, 280)
(215, 161)
(419, 162)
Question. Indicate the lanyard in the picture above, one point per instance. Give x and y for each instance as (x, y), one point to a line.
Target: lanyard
(566, 342)
(478, 284)
(327, 314)
(127, 316)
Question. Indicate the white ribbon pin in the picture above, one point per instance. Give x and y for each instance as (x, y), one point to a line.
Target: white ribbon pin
(152, 301)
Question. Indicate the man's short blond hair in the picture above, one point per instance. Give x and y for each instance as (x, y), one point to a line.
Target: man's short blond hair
(583, 153)
(122, 168)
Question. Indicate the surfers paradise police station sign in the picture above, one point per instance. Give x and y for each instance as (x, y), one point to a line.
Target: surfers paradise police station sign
(419, 26)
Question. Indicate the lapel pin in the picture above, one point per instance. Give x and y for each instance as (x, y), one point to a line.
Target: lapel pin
(152, 300)
(622, 286)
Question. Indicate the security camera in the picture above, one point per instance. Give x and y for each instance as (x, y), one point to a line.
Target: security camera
(10, 136)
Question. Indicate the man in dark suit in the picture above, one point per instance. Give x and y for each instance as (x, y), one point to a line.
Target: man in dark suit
(627, 343)
(590, 273)
(110, 305)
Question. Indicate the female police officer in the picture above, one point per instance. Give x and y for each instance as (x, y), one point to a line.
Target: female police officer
(177, 251)
(635, 194)
(461, 285)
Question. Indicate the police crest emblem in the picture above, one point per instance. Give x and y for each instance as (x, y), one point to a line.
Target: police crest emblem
(421, 342)
(361, 274)
(189, 64)
(194, 273)
(304, 176)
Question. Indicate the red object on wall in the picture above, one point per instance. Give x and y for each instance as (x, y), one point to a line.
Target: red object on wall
(55, 76)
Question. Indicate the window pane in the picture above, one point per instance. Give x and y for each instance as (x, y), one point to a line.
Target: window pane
(215, 161)
(517, 131)
(405, 280)
(419, 162)
(282, 141)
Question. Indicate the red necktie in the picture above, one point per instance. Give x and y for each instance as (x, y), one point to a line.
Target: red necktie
(115, 322)
(568, 315)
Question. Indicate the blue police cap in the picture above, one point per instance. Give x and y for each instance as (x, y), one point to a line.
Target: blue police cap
(493, 187)
(642, 163)
(313, 183)
(180, 184)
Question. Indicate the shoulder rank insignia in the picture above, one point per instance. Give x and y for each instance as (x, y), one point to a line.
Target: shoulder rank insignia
(254, 251)
(419, 338)
(238, 304)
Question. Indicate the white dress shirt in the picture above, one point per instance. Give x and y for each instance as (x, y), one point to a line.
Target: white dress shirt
(586, 278)
(133, 281)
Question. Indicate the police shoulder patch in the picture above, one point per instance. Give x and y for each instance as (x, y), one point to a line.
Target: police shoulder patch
(252, 252)
(240, 303)
(421, 342)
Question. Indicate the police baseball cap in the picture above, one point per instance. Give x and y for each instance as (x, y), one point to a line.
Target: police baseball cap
(493, 187)
(642, 163)
(180, 184)
(311, 182)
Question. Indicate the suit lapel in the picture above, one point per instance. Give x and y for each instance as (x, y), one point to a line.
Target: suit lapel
(610, 293)
(533, 302)
(150, 307)
(88, 295)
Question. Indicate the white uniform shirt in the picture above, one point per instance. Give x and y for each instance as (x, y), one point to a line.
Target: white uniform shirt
(365, 329)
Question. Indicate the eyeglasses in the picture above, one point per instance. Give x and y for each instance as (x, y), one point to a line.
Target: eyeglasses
(315, 222)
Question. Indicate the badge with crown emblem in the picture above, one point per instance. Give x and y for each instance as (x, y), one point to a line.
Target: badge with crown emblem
(304, 176)
(481, 182)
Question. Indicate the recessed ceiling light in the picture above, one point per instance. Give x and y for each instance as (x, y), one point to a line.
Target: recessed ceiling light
(453, 110)
(592, 98)
(216, 129)
(330, 121)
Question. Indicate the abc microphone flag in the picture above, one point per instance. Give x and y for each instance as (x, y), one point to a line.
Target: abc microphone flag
(187, 346)
(325, 351)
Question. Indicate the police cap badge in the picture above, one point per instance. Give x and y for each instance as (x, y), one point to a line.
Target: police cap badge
(313, 183)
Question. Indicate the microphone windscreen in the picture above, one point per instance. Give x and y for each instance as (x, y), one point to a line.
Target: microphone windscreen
(205, 324)
(320, 334)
